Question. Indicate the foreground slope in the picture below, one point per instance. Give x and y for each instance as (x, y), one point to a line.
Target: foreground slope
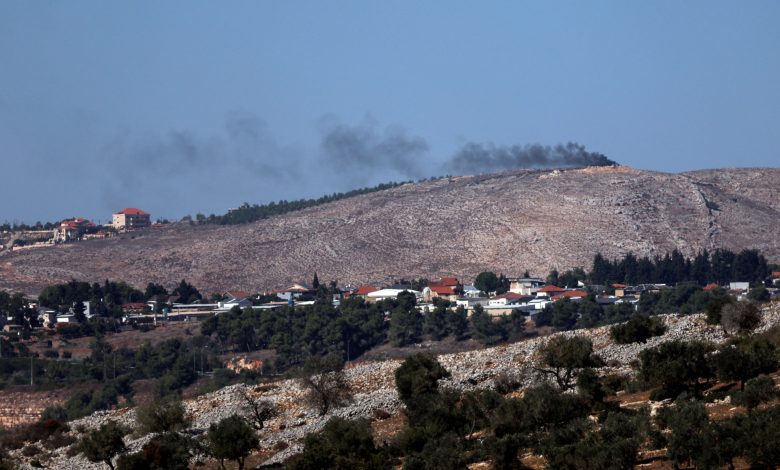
(373, 386)
(508, 222)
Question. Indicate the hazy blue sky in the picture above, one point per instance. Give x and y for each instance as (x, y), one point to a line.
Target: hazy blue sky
(185, 107)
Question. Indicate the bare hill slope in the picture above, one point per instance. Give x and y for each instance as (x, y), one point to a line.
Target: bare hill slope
(507, 222)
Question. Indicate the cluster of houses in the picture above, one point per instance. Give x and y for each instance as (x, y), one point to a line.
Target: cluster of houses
(79, 228)
(527, 294)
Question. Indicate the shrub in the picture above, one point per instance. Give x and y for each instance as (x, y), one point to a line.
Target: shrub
(340, 444)
(162, 416)
(739, 318)
(169, 451)
(505, 383)
(637, 330)
(31, 451)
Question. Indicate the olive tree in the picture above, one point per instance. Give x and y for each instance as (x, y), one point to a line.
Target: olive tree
(103, 444)
(231, 438)
(562, 356)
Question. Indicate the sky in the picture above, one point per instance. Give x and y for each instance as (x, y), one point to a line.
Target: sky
(185, 107)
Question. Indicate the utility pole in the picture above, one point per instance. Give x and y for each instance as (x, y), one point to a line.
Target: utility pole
(32, 383)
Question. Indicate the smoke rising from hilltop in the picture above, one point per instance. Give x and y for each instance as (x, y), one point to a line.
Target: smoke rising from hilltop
(364, 149)
(479, 158)
(187, 170)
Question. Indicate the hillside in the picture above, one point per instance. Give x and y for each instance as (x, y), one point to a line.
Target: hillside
(508, 222)
(376, 397)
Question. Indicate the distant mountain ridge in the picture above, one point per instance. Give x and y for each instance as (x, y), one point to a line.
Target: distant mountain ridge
(508, 222)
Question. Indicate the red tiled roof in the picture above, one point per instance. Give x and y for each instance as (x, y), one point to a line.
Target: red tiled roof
(551, 288)
(616, 285)
(710, 286)
(511, 296)
(444, 282)
(572, 293)
(363, 290)
(443, 290)
(238, 294)
(134, 306)
(76, 223)
(775, 275)
(132, 211)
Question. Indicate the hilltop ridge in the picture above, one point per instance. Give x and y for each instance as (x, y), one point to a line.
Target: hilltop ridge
(508, 222)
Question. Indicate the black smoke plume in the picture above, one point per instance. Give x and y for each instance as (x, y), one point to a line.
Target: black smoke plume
(475, 158)
(365, 149)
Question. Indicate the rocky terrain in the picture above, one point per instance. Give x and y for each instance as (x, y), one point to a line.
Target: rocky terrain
(507, 222)
(374, 388)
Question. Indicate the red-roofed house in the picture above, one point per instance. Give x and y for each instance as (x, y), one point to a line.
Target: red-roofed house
(71, 229)
(445, 292)
(130, 218)
(236, 295)
(361, 291)
(571, 294)
(549, 291)
(445, 282)
(710, 286)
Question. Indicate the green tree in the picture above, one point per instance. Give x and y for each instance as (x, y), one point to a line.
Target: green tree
(637, 330)
(417, 382)
(757, 390)
(341, 445)
(153, 290)
(78, 311)
(565, 313)
(744, 359)
(758, 294)
(167, 451)
(739, 318)
(103, 444)
(327, 389)
(231, 438)
(435, 323)
(486, 281)
(485, 329)
(689, 425)
(162, 416)
(676, 366)
(187, 292)
(405, 326)
(458, 323)
(562, 356)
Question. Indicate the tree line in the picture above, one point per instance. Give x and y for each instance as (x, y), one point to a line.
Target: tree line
(247, 213)
(720, 266)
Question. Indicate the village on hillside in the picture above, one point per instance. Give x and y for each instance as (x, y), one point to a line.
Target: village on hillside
(72, 230)
(526, 295)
